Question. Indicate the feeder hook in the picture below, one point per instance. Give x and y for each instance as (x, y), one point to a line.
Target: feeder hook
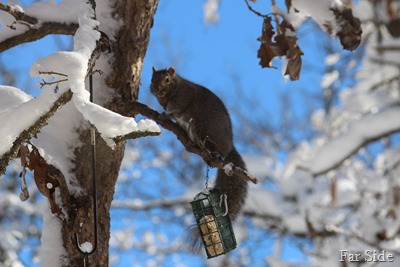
(94, 192)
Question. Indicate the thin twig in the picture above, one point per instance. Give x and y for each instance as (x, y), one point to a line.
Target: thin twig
(254, 11)
(100, 72)
(278, 30)
(53, 73)
(12, 27)
(43, 83)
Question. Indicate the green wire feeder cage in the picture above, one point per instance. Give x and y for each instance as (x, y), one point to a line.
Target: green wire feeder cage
(214, 223)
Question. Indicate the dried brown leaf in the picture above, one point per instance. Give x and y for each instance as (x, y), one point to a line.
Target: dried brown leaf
(44, 179)
(288, 4)
(391, 9)
(267, 31)
(281, 45)
(294, 54)
(328, 28)
(350, 30)
(293, 68)
(382, 235)
(266, 53)
(24, 154)
(268, 49)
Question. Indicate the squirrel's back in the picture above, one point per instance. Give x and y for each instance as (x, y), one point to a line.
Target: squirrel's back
(196, 109)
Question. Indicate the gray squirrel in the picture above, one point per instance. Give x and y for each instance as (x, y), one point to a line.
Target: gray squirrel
(206, 120)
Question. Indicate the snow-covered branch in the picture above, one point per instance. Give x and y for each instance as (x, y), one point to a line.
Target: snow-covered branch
(142, 205)
(134, 135)
(168, 124)
(359, 134)
(32, 130)
(26, 28)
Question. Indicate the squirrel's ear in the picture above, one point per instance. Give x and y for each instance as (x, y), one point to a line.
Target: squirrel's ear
(154, 69)
(171, 71)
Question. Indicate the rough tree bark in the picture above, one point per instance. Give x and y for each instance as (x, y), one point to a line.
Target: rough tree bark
(129, 51)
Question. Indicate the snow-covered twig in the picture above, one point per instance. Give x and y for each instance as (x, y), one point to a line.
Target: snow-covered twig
(18, 15)
(168, 124)
(35, 31)
(33, 130)
(134, 135)
(43, 83)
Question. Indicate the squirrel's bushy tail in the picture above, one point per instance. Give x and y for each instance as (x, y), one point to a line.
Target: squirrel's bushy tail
(234, 187)
(236, 190)
(193, 239)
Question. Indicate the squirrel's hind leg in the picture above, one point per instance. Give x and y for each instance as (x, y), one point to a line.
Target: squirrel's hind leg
(210, 146)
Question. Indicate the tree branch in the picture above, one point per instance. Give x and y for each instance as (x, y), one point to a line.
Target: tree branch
(168, 124)
(35, 29)
(134, 135)
(33, 34)
(149, 205)
(33, 130)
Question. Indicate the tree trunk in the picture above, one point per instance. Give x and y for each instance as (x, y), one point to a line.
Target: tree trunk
(129, 51)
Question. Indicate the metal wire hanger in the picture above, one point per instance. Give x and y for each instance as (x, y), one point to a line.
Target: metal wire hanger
(86, 253)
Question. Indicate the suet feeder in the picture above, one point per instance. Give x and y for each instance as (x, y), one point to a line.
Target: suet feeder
(215, 227)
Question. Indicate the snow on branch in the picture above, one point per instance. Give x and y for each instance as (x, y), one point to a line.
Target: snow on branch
(30, 131)
(19, 27)
(168, 124)
(141, 205)
(370, 128)
(134, 135)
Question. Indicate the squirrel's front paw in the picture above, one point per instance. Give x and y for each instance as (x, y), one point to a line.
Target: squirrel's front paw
(164, 116)
(216, 155)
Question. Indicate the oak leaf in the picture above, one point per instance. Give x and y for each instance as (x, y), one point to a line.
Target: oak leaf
(283, 44)
(44, 176)
(349, 28)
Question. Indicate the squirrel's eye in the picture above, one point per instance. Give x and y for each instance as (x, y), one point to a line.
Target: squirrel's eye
(167, 79)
